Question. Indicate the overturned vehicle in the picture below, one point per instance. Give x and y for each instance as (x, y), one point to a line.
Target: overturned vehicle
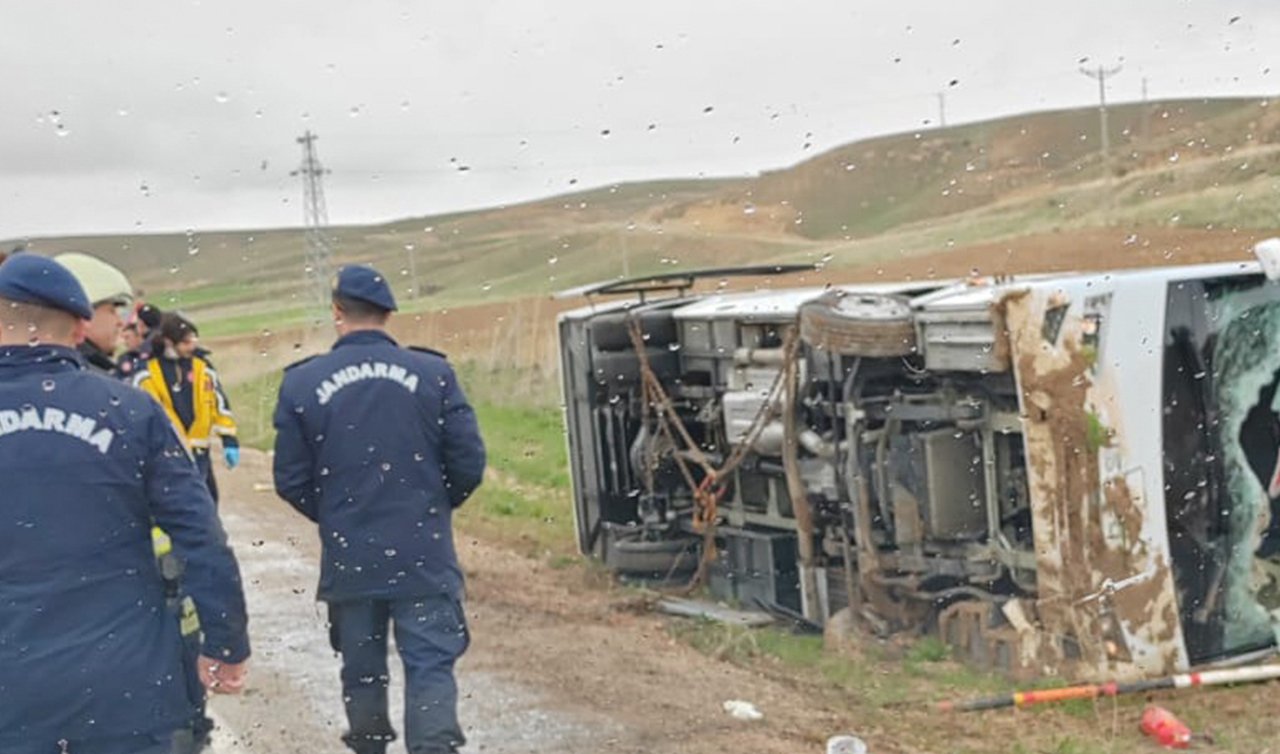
(1075, 475)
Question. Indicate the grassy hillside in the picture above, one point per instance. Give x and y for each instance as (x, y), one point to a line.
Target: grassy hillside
(1189, 164)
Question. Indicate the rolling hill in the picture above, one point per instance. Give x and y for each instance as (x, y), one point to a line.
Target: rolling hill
(1194, 165)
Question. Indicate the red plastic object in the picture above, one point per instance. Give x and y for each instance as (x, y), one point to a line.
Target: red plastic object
(1168, 731)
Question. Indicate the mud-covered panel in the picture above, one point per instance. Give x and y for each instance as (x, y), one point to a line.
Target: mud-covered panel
(1106, 603)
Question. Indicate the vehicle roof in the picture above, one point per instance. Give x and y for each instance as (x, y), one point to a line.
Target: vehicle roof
(969, 296)
(782, 304)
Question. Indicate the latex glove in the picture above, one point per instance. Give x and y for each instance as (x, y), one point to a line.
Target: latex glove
(222, 677)
(232, 455)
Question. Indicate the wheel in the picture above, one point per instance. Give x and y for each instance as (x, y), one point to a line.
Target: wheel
(612, 331)
(659, 557)
(853, 324)
(623, 367)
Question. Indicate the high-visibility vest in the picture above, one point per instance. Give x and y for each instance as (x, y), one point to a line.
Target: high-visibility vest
(212, 414)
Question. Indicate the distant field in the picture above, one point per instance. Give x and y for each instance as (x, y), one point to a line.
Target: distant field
(1179, 166)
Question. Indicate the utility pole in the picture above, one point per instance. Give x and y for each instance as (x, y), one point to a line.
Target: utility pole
(1146, 111)
(1102, 74)
(626, 263)
(319, 249)
(942, 109)
(410, 250)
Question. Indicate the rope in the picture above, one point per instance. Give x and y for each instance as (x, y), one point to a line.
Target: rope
(708, 493)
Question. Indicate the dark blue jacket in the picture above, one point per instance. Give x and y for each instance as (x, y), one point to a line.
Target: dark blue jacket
(377, 444)
(88, 648)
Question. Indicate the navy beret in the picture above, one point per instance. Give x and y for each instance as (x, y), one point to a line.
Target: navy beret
(365, 284)
(33, 279)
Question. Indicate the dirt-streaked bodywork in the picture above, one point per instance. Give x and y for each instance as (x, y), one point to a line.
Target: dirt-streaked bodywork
(1072, 475)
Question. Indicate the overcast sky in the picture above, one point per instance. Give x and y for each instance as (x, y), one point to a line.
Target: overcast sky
(170, 114)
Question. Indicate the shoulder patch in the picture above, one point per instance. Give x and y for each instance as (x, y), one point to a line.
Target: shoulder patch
(431, 351)
(300, 362)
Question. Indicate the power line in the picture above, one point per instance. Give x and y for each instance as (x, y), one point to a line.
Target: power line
(316, 215)
(1102, 74)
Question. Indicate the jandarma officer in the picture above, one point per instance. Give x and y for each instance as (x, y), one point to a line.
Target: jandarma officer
(377, 444)
(108, 289)
(90, 658)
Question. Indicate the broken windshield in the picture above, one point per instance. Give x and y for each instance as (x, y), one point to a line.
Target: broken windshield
(1222, 440)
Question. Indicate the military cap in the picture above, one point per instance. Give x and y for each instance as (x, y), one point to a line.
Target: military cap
(33, 279)
(356, 281)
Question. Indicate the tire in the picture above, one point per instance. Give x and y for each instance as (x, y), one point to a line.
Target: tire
(659, 558)
(855, 324)
(622, 368)
(612, 331)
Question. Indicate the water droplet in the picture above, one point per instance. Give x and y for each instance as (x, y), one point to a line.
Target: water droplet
(553, 260)
(222, 98)
(48, 385)
(354, 112)
(390, 552)
(486, 286)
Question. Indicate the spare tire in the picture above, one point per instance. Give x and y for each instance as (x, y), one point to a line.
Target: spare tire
(612, 331)
(859, 324)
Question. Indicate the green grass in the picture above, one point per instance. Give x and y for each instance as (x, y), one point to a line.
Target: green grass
(238, 324)
(928, 649)
(876, 677)
(524, 501)
(253, 404)
(527, 443)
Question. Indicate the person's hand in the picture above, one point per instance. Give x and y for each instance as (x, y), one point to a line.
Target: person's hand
(232, 455)
(222, 677)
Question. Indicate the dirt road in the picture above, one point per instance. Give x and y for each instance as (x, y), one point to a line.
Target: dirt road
(554, 665)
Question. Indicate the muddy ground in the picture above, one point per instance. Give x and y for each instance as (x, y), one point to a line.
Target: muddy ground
(563, 661)
(556, 664)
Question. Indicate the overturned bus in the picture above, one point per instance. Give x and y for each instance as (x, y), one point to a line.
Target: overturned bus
(1073, 475)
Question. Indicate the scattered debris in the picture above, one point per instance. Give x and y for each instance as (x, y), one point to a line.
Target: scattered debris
(846, 745)
(695, 609)
(741, 710)
(1253, 674)
(795, 621)
(1167, 730)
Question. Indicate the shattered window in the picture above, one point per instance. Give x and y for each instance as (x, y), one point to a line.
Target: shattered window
(1222, 371)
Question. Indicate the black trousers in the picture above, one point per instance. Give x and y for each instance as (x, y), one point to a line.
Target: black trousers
(204, 462)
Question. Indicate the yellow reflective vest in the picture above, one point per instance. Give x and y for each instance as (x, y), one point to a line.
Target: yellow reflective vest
(212, 414)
